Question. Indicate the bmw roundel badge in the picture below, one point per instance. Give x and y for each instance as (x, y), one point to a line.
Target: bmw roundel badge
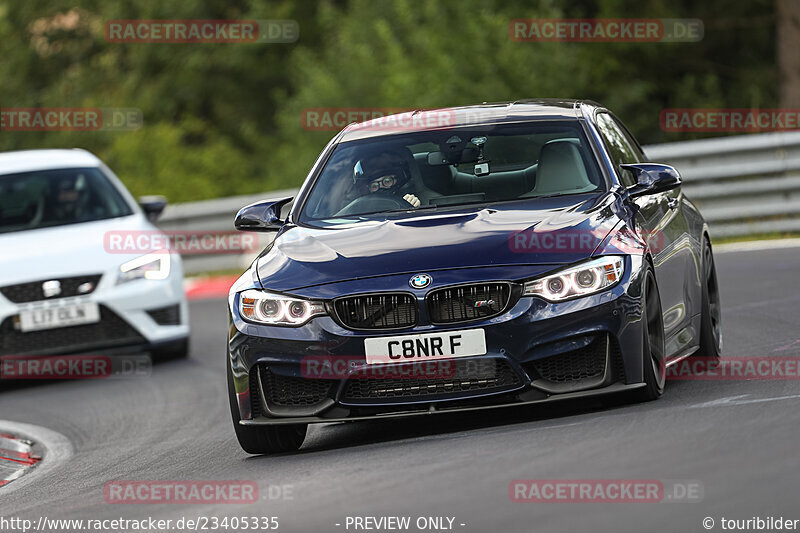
(420, 281)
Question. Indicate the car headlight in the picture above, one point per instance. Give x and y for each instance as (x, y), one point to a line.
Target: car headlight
(150, 266)
(581, 280)
(276, 309)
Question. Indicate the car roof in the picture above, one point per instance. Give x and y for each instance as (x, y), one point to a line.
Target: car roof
(32, 160)
(453, 117)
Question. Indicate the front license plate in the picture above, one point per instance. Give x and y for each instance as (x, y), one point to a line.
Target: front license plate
(425, 346)
(59, 317)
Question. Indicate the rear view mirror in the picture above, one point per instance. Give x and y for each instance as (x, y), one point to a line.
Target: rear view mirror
(261, 216)
(467, 155)
(437, 158)
(652, 178)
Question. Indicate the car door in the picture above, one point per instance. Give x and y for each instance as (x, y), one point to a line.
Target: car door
(666, 230)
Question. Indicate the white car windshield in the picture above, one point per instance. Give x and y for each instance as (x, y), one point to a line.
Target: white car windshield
(48, 198)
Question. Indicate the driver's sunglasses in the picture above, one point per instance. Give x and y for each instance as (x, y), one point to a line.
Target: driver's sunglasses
(384, 182)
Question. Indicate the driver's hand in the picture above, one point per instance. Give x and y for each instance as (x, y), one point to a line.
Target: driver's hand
(413, 200)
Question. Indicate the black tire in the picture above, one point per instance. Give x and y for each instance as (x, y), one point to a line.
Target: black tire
(174, 350)
(259, 440)
(711, 319)
(653, 348)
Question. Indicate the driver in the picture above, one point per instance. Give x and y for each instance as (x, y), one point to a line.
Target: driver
(385, 173)
(67, 199)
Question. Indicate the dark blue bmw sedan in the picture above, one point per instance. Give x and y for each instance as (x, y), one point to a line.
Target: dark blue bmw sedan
(468, 258)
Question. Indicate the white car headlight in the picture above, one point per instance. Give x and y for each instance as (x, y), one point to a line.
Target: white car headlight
(581, 280)
(276, 309)
(150, 266)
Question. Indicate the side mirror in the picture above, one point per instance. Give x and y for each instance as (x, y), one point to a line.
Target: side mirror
(152, 206)
(652, 178)
(261, 216)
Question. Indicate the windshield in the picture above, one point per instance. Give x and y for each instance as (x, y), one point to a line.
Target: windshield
(427, 170)
(47, 198)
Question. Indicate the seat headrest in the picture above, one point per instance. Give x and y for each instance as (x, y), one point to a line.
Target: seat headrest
(561, 168)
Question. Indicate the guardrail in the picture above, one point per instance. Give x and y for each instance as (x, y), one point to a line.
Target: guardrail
(744, 185)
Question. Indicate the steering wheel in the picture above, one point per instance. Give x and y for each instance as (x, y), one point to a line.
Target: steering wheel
(374, 202)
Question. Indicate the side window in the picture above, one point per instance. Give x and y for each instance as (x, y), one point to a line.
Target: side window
(621, 150)
(637, 150)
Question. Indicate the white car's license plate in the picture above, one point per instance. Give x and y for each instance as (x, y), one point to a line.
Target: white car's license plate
(59, 317)
(425, 346)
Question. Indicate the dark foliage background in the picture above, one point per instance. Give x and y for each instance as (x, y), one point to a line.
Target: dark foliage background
(224, 119)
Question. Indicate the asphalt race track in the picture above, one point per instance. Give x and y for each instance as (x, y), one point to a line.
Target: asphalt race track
(739, 439)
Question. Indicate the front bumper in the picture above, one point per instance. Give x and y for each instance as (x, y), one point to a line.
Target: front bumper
(434, 409)
(134, 316)
(537, 352)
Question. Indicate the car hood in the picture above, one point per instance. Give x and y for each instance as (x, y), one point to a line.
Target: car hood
(545, 231)
(63, 251)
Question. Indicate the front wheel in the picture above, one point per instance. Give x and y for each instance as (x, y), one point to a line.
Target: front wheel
(263, 439)
(653, 348)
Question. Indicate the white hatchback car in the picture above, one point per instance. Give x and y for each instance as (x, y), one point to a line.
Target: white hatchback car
(61, 290)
